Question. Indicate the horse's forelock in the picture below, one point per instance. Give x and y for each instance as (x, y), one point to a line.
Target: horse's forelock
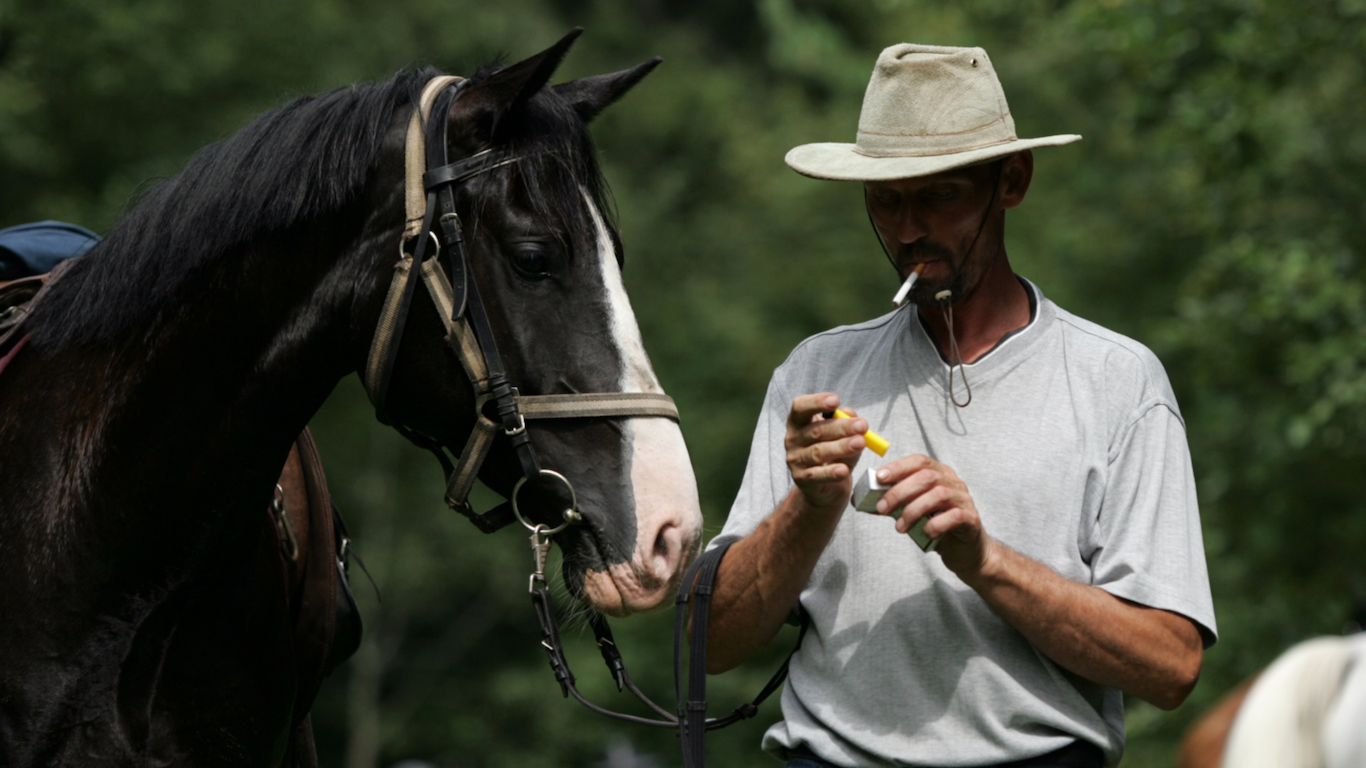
(556, 164)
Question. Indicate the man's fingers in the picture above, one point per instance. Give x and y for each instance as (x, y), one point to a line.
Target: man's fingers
(908, 488)
(896, 471)
(934, 500)
(807, 407)
(824, 431)
(825, 452)
(821, 473)
(832, 430)
(943, 522)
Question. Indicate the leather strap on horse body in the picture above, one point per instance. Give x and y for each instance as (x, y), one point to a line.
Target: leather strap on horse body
(17, 300)
(314, 552)
(312, 547)
(455, 293)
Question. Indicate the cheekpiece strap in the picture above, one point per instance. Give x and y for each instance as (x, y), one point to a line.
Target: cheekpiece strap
(415, 156)
(476, 449)
(385, 336)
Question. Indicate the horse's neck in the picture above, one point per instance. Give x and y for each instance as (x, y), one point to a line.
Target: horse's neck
(198, 417)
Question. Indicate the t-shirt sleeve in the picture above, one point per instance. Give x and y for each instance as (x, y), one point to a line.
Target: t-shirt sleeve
(767, 480)
(1146, 545)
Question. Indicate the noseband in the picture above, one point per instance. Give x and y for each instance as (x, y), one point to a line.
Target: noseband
(431, 189)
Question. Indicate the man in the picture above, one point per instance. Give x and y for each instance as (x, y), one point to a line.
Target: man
(1047, 452)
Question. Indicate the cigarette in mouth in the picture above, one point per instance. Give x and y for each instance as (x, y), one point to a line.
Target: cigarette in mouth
(906, 286)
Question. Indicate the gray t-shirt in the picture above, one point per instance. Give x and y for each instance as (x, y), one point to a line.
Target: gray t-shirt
(1075, 454)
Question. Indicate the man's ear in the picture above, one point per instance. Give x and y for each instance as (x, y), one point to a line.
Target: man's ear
(591, 95)
(1016, 174)
(483, 106)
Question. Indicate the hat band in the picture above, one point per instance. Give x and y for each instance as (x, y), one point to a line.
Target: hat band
(935, 152)
(997, 128)
(984, 126)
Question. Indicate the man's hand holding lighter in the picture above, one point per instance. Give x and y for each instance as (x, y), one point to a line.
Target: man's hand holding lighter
(923, 486)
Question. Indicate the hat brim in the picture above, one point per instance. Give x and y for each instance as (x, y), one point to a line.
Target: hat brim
(840, 162)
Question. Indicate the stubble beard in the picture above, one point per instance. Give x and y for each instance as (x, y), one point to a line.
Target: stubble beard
(964, 273)
(926, 292)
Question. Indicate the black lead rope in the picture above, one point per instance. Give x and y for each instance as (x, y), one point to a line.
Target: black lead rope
(694, 600)
(693, 720)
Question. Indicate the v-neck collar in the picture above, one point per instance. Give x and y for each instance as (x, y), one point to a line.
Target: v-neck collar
(925, 355)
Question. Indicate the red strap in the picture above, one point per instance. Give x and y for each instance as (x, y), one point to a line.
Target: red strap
(4, 361)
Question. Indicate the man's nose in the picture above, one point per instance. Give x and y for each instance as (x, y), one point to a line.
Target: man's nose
(910, 226)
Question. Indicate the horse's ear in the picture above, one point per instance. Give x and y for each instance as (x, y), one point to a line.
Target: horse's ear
(505, 89)
(591, 95)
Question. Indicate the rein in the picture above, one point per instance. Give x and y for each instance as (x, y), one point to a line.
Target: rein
(691, 719)
(431, 194)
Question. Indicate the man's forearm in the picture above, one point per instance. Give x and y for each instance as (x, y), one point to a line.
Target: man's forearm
(1147, 652)
(761, 578)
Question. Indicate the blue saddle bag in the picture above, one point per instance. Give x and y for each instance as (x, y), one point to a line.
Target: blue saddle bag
(34, 249)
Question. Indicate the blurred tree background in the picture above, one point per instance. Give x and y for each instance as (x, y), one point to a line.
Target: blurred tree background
(1214, 212)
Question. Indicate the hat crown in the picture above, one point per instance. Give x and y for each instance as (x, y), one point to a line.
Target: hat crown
(926, 100)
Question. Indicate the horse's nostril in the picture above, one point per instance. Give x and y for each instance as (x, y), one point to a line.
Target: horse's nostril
(662, 544)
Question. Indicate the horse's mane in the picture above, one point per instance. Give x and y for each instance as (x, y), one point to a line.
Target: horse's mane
(311, 156)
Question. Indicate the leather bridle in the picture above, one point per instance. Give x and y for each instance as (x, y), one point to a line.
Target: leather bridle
(431, 193)
(433, 220)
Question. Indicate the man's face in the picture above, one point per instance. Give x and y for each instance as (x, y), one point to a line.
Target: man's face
(934, 220)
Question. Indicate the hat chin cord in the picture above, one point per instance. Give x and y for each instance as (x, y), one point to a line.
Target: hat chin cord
(956, 358)
(945, 297)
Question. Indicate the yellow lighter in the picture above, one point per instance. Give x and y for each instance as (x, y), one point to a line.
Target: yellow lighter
(875, 442)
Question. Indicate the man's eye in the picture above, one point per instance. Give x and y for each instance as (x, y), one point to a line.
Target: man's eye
(939, 196)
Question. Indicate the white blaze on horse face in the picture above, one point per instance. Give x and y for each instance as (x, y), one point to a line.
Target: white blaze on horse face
(668, 514)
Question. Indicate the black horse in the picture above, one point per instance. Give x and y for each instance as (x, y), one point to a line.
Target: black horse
(167, 373)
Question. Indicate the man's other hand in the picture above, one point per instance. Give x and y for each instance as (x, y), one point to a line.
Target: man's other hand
(923, 486)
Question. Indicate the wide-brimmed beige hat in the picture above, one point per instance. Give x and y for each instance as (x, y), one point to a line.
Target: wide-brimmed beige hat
(928, 108)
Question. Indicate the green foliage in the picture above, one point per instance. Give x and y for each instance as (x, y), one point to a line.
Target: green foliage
(1213, 212)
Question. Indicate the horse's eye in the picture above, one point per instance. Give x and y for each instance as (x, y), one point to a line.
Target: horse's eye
(531, 260)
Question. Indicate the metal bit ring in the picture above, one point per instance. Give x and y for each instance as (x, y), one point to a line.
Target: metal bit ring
(571, 515)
